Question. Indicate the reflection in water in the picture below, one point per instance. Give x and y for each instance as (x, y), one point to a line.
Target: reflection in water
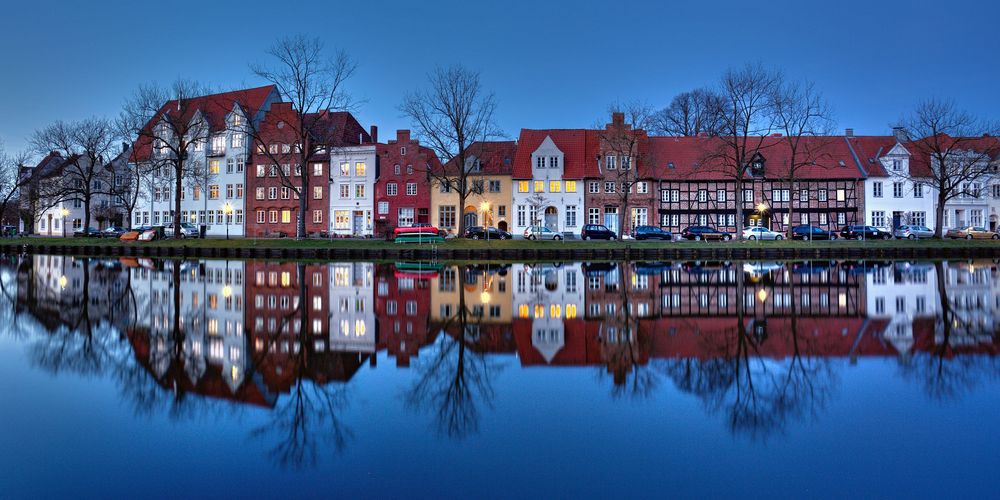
(760, 344)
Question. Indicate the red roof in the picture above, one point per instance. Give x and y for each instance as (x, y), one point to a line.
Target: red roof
(213, 107)
(868, 149)
(580, 148)
(496, 157)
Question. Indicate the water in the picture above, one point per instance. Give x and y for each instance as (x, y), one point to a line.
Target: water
(818, 379)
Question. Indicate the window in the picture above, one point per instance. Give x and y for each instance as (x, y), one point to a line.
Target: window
(803, 195)
(976, 217)
(610, 162)
(390, 189)
(359, 168)
(345, 169)
(411, 188)
(402, 151)
(702, 195)
(593, 187)
(213, 166)
(918, 218)
(823, 219)
(195, 193)
(286, 216)
(260, 170)
(359, 190)
(261, 218)
(494, 187)
(342, 219)
(570, 186)
(642, 187)
(553, 162)
(841, 218)
(748, 195)
(571, 216)
(842, 194)
(260, 193)
(446, 216)
(897, 189)
(821, 195)
(273, 216)
(609, 187)
(918, 190)
(593, 216)
(230, 165)
(284, 193)
(540, 162)
(720, 195)
(286, 148)
(555, 186)
(272, 193)
(218, 144)
(229, 190)
(897, 165)
(626, 162)
(501, 211)
(520, 215)
(522, 186)
(409, 169)
(878, 218)
(317, 192)
(539, 186)
(345, 191)
(404, 217)
(213, 192)
(383, 208)
(803, 218)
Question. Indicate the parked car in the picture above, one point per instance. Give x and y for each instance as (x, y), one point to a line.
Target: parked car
(597, 232)
(698, 233)
(188, 230)
(972, 233)
(8, 231)
(913, 232)
(806, 232)
(652, 233)
(761, 233)
(90, 232)
(486, 233)
(865, 233)
(541, 233)
(114, 231)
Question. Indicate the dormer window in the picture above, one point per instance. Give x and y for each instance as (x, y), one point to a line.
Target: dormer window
(897, 165)
(553, 162)
(218, 144)
(237, 120)
(540, 162)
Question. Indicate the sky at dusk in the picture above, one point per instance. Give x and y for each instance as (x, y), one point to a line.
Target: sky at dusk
(551, 64)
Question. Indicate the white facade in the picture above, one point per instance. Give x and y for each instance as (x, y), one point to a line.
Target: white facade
(103, 206)
(547, 199)
(548, 295)
(352, 307)
(896, 199)
(900, 294)
(352, 190)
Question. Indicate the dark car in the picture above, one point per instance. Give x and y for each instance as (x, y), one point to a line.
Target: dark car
(597, 232)
(698, 233)
(806, 232)
(486, 233)
(114, 231)
(92, 232)
(865, 233)
(651, 233)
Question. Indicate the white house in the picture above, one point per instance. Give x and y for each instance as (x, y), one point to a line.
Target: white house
(214, 186)
(549, 168)
(548, 296)
(893, 195)
(352, 307)
(352, 188)
(900, 294)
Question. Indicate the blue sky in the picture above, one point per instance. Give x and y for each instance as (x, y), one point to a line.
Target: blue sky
(551, 64)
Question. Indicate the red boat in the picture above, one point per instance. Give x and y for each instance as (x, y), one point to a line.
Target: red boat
(419, 228)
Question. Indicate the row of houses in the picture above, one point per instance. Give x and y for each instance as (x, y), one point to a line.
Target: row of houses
(243, 329)
(248, 181)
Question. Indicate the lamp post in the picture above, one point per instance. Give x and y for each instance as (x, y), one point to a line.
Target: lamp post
(485, 207)
(65, 213)
(762, 210)
(227, 209)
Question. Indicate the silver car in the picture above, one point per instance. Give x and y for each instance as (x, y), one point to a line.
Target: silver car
(913, 232)
(761, 233)
(541, 233)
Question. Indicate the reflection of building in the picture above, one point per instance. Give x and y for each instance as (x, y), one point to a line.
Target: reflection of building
(352, 311)
(69, 291)
(485, 292)
(549, 298)
(402, 309)
(901, 293)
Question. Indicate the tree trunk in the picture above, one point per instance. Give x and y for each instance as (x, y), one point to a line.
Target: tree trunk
(939, 227)
(304, 202)
(178, 190)
(791, 206)
(739, 208)
(463, 194)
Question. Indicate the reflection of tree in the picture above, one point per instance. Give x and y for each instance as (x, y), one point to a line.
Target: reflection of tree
(621, 351)
(759, 395)
(456, 379)
(944, 373)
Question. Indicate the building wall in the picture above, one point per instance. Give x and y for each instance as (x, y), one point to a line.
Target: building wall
(490, 208)
(352, 182)
(403, 162)
(569, 198)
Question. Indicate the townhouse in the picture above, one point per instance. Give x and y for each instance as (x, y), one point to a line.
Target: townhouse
(696, 189)
(213, 195)
(549, 170)
(403, 189)
(352, 199)
(896, 192)
(489, 167)
(620, 184)
(274, 184)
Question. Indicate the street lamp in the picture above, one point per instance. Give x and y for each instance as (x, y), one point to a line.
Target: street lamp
(762, 211)
(227, 209)
(485, 207)
(65, 213)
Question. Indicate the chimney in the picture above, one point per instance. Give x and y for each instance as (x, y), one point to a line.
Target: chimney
(849, 132)
(618, 118)
(374, 133)
(402, 136)
(899, 134)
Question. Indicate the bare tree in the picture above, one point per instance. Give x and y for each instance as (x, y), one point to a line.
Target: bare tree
(805, 122)
(450, 115)
(958, 149)
(537, 202)
(127, 193)
(623, 145)
(745, 122)
(169, 128)
(87, 145)
(690, 114)
(314, 84)
(10, 179)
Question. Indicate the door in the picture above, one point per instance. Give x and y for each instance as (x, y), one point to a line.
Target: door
(552, 218)
(897, 220)
(359, 223)
(471, 219)
(611, 219)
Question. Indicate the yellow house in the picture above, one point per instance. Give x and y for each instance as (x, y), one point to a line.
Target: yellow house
(490, 165)
(487, 296)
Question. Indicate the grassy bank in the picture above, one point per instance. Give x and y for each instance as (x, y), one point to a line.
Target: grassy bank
(462, 244)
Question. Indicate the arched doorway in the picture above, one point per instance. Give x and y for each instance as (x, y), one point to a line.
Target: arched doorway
(470, 217)
(502, 225)
(552, 218)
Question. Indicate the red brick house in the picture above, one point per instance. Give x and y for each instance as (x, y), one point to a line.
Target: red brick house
(272, 203)
(620, 188)
(402, 189)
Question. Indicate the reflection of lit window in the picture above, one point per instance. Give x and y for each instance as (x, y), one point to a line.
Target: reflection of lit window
(359, 328)
(317, 326)
(842, 300)
(570, 311)
(345, 327)
(317, 303)
(213, 327)
(539, 311)
(522, 311)
(555, 311)
(286, 278)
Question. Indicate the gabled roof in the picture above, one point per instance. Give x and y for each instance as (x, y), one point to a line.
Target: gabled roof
(332, 128)
(867, 151)
(920, 163)
(580, 148)
(213, 107)
(696, 158)
(496, 157)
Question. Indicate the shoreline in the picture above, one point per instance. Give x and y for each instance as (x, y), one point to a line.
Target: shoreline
(512, 251)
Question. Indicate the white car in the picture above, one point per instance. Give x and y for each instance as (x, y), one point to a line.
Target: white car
(188, 230)
(761, 233)
(541, 233)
